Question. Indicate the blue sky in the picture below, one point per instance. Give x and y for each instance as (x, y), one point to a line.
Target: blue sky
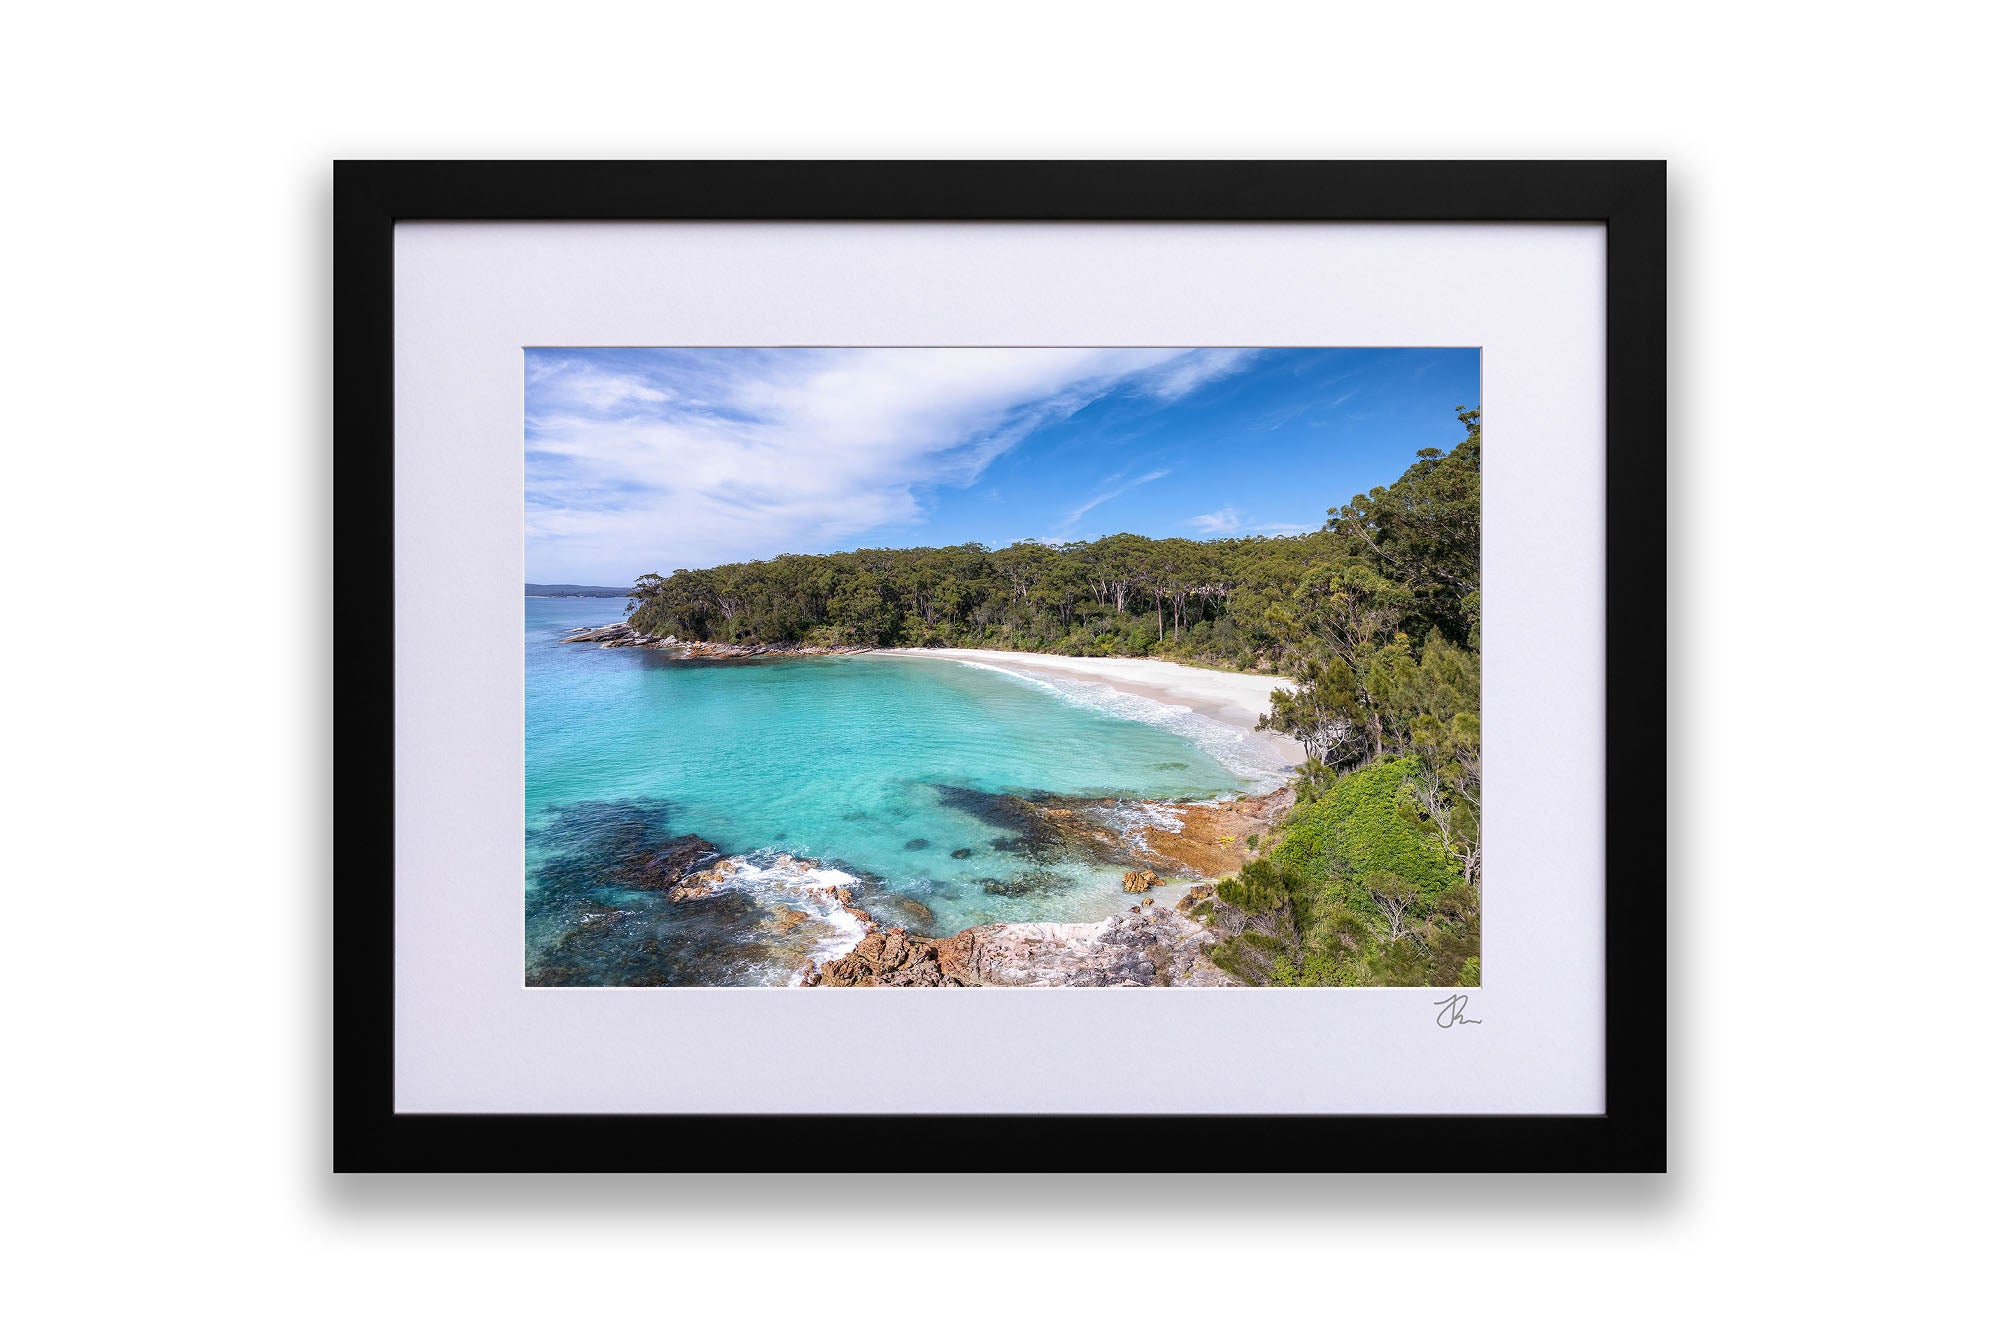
(653, 459)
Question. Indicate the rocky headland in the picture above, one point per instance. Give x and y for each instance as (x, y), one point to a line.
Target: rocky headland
(622, 635)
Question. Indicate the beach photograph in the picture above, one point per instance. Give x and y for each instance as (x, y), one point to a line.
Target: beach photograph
(946, 667)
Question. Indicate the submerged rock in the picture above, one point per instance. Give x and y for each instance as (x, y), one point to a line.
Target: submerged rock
(916, 844)
(962, 854)
(665, 866)
(1026, 885)
(1023, 829)
(911, 909)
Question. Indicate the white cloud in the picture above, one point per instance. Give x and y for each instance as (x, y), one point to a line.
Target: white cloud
(1184, 375)
(1113, 488)
(1227, 522)
(578, 384)
(656, 460)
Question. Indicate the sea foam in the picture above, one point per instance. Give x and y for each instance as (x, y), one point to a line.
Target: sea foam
(1245, 754)
(769, 876)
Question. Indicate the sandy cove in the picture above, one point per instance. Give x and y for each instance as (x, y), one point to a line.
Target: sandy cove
(1152, 944)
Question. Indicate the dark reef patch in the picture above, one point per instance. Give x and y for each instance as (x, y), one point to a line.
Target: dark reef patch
(1033, 883)
(916, 844)
(1024, 832)
(597, 916)
(903, 911)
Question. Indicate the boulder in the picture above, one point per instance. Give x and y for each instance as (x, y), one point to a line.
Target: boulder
(1138, 881)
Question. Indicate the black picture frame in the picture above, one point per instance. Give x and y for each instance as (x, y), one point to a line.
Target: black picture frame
(1627, 197)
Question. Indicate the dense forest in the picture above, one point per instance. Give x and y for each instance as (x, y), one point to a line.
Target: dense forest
(1374, 878)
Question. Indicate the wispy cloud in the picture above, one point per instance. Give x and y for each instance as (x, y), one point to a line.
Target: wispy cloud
(1115, 487)
(1227, 522)
(644, 459)
(1183, 375)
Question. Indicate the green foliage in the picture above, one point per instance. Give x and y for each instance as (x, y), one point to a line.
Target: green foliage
(1258, 889)
(1116, 596)
(1423, 532)
(1239, 957)
(1361, 828)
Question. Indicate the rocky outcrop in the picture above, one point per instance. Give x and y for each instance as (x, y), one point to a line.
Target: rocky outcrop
(1206, 838)
(1138, 881)
(891, 957)
(622, 635)
(665, 867)
(797, 874)
(1150, 946)
(704, 884)
(728, 651)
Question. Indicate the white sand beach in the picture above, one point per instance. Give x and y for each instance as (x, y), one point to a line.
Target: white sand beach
(1234, 699)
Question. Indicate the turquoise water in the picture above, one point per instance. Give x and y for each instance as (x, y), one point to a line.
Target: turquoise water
(882, 767)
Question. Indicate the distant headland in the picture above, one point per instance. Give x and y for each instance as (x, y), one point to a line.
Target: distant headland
(574, 590)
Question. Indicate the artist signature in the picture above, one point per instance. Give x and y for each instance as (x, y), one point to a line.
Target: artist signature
(1451, 1011)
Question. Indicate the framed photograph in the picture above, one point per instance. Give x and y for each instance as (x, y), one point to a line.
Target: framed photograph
(995, 659)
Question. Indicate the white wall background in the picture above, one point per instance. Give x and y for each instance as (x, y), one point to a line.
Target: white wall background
(167, 552)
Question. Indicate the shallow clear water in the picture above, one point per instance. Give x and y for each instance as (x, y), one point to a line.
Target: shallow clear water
(883, 767)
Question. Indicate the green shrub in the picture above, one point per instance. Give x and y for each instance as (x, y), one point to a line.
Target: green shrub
(1258, 888)
(1240, 961)
(1265, 944)
(1358, 829)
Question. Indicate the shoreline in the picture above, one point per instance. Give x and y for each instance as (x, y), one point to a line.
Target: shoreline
(1177, 852)
(1234, 699)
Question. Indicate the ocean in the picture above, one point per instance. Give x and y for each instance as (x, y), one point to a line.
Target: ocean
(890, 773)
